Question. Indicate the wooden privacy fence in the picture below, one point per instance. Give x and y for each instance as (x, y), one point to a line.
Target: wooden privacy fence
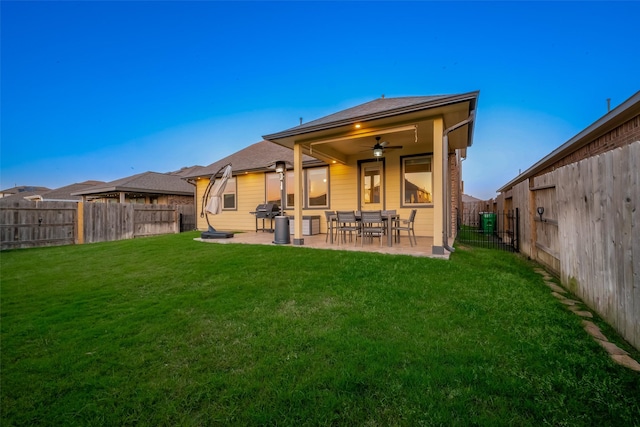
(25, 224)
(589, 232)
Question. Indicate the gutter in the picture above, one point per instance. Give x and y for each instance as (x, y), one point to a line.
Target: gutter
(445, 181)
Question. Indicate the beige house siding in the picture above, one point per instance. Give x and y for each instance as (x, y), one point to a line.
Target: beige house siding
(343, 194)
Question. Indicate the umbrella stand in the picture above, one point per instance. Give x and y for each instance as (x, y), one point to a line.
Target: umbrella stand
(211, 232)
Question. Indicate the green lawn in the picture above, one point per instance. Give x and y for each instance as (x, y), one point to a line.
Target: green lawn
(166, 331)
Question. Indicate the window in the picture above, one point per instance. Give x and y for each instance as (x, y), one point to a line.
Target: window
(229, 195)
(371, 183)
(317, 187)
(288, 185)
(273, 189)
(316, 191)
(417, 187)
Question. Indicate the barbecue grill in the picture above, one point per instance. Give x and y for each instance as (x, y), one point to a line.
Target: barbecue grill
(266, 211)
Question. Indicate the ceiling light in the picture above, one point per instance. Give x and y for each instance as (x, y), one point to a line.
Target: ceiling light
(377, 152)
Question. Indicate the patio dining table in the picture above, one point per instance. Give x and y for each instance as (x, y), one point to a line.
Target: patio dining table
(387, 217)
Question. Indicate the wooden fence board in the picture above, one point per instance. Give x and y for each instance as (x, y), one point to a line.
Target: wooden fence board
(634, 158)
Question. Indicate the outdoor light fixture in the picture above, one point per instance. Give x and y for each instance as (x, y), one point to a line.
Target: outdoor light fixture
(280, 166)
(540, 212)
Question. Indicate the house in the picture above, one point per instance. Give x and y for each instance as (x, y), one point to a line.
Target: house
(147, 188)
(579, 215)
(389, 154)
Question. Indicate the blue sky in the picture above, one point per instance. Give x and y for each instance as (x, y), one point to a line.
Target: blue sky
(104, 90)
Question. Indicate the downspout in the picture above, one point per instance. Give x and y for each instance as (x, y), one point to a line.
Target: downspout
(445, 181)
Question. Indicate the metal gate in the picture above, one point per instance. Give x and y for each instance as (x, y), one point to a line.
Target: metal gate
(494, 230)
(187, 222)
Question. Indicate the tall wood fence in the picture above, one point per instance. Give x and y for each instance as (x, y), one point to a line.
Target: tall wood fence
(589, 232)
(26, 224)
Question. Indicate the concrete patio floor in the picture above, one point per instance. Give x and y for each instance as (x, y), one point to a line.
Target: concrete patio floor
(422, 249)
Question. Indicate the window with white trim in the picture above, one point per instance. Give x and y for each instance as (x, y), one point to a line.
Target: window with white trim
(229, 195)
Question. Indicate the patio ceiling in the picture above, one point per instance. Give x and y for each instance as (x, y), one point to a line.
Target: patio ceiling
(411, 128)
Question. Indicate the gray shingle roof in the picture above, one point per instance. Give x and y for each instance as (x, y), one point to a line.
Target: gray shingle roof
(186, 171)
(24, 188)
(65, 193)
(378, 108)
(146, 182)
(255, 157)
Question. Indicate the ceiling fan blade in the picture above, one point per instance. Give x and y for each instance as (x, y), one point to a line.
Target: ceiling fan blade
(393, 146)
(383, 144)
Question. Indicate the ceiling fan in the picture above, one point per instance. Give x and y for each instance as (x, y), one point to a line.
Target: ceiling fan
(379, 147)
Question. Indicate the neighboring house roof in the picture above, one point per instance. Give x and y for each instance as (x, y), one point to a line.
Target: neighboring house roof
(23, 189)
(376, 109)
(18, 196)
(470, 199)
(65, 193)
(256, 157)
(608, 122)
(146, 182)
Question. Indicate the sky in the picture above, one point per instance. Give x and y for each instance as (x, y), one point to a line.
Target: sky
(104, 90)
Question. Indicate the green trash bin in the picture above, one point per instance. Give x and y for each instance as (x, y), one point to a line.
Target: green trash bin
(488, 223)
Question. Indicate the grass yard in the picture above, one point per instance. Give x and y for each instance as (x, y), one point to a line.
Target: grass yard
(166, 331)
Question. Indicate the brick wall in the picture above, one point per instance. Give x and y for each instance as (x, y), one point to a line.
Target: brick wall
(180, 200)
(623, 135)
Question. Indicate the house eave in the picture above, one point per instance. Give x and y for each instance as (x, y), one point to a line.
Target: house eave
(441, 102)
(606, 123)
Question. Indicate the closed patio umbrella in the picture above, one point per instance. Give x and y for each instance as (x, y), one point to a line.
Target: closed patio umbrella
(214, 205)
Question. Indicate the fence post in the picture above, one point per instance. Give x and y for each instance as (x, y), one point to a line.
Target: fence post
(517, 230)
(80, 224)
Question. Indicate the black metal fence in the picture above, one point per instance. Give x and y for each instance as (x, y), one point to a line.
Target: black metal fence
(187, 222)
(495, 230)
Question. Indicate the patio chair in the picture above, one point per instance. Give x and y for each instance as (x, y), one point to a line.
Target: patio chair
(372, 225)
(347, 222)
(406, 225)
(389, 213)
(331, 218)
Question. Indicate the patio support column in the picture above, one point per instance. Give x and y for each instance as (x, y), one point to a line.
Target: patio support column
(297, 194)
(438, 186)
(122, 198)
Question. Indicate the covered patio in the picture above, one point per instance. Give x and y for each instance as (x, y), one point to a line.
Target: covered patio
(319, 241)
(390, 154)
